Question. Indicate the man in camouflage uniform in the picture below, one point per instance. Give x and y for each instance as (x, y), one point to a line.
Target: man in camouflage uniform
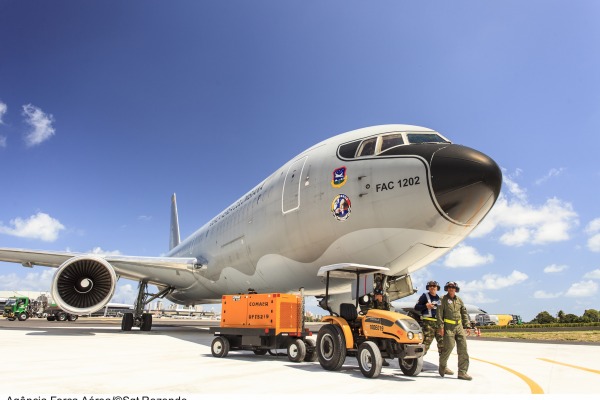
(451, 318)
(427, 306)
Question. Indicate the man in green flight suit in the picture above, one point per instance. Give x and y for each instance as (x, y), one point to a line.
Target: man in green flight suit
(451, 318)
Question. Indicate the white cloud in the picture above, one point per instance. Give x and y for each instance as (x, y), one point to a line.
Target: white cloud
(552, 173)
(476, 298)
(551, 269)
(494, 282)
(41, 124)
(540, 294)
(525, 223)
(34, 281)
(100, 252)
(582, 289)
(3, 109)
(466, 256)
(38, 226)
(124, 293)
(595, 274)
(593, 229)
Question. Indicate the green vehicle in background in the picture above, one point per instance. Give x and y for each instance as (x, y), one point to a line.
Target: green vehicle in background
(22, 308)
(18, 308)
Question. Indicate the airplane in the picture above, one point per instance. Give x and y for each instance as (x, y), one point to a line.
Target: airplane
(395, 196)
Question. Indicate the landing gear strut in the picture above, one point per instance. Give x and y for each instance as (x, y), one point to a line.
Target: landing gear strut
(139, 318)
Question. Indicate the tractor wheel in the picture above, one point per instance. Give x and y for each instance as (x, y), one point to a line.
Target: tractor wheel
(296, 350)
(146, 322)
(50, 317)
(311, 350)
(411, 366)
(61, 316)
(73, 317)
(23, 317)
(331, 347)
(369, 359)
(219, 347)
(127, 322)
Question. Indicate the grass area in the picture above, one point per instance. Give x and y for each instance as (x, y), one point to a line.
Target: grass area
(573, 336)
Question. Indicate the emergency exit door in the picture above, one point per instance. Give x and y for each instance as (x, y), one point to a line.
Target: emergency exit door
(290, 197)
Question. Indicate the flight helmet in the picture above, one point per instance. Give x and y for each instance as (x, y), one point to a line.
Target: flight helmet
(432, 283)
(451, 284)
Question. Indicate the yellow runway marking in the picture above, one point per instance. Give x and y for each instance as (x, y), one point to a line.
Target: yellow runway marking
(570, 365)
(534, 387)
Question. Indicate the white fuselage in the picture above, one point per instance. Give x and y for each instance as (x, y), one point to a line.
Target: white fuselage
(276, 237)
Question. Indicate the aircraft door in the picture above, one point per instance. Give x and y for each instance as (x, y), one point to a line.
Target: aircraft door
(290, 197)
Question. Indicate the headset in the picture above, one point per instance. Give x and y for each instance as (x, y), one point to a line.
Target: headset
(452, 283)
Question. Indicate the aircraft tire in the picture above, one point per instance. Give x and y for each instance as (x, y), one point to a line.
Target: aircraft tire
(411, 366)
(146, 322)
(219, 347)
(296, 350)
(127, 322)
(331, 347)
(369, 359)
(311, 350)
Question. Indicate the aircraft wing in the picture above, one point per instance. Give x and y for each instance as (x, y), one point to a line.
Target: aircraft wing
(153, 269)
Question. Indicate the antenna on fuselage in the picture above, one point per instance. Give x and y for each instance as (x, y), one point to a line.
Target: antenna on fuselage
(174, 239)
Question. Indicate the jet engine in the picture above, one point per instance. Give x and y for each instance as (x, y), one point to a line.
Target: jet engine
(83, 285)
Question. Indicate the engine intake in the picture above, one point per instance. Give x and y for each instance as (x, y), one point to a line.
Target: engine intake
(83, 285)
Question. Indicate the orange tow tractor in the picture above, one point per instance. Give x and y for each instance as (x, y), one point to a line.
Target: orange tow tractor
(369, 335)
(263, 323)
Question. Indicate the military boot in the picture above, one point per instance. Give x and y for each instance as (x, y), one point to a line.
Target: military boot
(448, 371)
(442, 371)
(465, 376)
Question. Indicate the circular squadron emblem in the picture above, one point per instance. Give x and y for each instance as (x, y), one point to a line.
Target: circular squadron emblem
(340, 207)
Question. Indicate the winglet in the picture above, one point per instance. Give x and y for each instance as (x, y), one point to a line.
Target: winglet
(174, 239)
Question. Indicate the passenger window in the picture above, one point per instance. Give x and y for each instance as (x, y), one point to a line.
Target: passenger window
(389, 141)
(367, 148)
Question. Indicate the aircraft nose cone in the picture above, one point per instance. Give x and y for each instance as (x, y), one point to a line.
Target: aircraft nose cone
(466, 183)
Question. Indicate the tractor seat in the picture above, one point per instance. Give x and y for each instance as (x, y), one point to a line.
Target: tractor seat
(349, 313)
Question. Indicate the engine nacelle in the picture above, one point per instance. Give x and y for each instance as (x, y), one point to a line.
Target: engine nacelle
(83, 285)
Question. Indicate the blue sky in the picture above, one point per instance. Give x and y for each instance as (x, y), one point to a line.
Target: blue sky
(108, 107)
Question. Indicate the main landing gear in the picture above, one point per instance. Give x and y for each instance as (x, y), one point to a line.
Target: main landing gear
(139, 318)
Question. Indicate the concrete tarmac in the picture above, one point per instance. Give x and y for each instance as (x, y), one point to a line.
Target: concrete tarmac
(94, 357)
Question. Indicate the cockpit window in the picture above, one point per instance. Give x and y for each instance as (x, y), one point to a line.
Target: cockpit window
(367, 148)
(389, 141)
(425, 138)
(348, 150)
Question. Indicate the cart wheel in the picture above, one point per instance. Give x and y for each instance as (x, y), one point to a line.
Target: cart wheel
(411, 366)
(219, 347)
(369, 359)
(311, 350)
(331, 347)
(260, 352)
(296, 350)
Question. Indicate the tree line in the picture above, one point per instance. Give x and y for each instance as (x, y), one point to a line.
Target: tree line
(545, 317)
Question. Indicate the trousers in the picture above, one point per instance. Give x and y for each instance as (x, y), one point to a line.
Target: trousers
(454, 335)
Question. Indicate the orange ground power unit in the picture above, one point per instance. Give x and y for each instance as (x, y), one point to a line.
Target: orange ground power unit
(282, 312)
